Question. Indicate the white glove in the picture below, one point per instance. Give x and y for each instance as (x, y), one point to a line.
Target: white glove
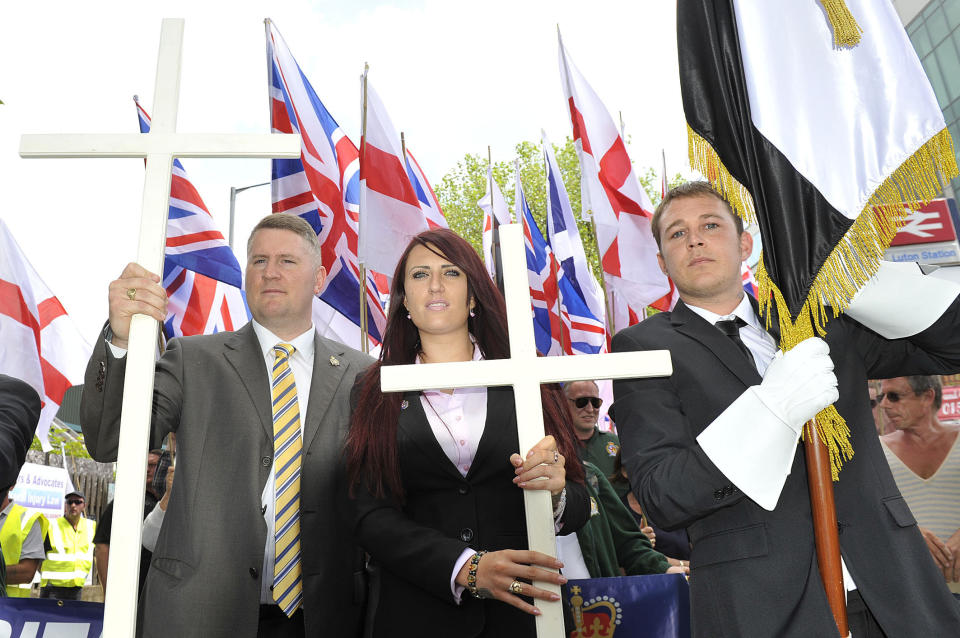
(799, 383)
(754, 440)
(901, 301)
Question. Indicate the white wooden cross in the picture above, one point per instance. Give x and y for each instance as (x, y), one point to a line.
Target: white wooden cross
(525, 371)
(159, 147)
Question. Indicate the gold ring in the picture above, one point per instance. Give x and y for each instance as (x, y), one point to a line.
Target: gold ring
(132, 294)
(516, 587)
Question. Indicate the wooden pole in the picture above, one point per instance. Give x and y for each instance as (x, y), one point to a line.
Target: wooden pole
(825, 524)
(364, 339)
(497, 257)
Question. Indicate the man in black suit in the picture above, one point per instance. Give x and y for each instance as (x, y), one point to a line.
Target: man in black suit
(19, 414)
(713, 448)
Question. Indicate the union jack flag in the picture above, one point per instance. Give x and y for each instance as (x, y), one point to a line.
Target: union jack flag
(749, 282)
(323, 187)
(200, 272)
(551, 333)
(580, 296)
(425, 195)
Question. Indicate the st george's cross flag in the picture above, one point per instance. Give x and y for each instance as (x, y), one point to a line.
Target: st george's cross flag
(818, 137)
(390, 213)
(39, 343)
(425, 195)
(609, 188)
(494, 206)
(200, 271)
(323, 187)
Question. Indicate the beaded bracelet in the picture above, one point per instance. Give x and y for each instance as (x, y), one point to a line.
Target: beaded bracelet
(472, 574)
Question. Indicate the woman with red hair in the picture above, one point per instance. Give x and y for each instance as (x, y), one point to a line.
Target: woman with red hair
(435, 476)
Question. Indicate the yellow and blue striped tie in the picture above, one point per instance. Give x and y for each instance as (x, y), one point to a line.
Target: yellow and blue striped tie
(287, 447)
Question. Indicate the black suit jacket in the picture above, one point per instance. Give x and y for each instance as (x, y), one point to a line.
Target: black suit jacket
(415, 545)
(754, 572)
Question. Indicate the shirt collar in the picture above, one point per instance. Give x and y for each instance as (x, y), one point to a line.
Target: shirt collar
(744, 310)
(303, 343)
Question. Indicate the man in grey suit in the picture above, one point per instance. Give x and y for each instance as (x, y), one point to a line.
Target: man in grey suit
(213, 569)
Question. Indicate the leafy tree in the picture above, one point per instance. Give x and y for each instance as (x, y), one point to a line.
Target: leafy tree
(60, 438)
(462, 187)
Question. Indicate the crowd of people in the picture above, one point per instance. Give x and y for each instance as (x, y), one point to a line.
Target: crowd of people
(309, 502)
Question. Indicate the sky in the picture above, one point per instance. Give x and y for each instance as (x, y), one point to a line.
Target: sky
(455, 76)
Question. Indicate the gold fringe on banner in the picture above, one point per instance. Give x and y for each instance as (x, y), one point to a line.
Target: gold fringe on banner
(853, 261)
(706, 161)
(846, 31)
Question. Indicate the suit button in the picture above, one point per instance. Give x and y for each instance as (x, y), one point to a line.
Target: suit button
(466, 534)
(717, 495)
(254, 572)
(464, 489)
(265, 461)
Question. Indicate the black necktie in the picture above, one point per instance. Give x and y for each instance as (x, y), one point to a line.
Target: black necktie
(731, 328)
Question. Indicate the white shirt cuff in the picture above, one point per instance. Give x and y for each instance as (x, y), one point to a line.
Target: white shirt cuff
(151, 528)
(752, 447)
(455, 589)
(116, 351)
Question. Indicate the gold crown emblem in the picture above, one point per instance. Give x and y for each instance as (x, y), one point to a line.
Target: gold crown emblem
(594, 618)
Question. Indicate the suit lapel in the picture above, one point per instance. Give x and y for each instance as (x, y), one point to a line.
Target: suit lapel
(501, 416)
(413, 424)
(244, 354)
(696, 327)
(328, 371)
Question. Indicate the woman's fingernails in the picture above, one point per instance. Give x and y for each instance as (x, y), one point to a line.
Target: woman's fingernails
(536, 612)
(554, 597)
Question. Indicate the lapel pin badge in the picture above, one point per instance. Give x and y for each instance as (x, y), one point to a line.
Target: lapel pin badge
(404, 404)
(334, 361)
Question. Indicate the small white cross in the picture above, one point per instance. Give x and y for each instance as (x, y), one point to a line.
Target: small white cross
(525, 371)
(159, 147)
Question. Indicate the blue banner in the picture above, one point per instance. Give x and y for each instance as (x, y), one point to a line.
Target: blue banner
(42, 618)
(655, 606)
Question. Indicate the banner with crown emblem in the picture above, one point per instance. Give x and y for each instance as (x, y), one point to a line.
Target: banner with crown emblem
(654, 606)
(36, 618)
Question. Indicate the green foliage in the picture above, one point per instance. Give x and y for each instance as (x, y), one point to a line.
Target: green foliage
(462, 187)
(60, 440)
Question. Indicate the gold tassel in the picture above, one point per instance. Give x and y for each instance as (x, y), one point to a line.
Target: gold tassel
(846, 31)
(706, 161)
(853, 261)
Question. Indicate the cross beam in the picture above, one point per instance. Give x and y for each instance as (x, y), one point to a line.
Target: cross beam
(159, 147)
(525, 371)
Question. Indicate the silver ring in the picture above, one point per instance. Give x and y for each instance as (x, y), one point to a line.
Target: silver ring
(556, 457)
(132, 294)
(516, 587)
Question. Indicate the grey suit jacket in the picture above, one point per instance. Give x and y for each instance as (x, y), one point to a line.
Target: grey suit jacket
(214, 392)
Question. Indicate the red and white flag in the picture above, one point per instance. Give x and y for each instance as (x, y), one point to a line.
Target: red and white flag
(39, 343)
(621, 208)
(390, 214)
(493, 206)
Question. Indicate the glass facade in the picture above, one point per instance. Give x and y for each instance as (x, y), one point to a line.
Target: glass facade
(935, 33)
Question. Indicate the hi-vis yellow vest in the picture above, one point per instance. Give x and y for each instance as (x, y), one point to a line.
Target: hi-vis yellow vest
(71, 555)
(15, 529)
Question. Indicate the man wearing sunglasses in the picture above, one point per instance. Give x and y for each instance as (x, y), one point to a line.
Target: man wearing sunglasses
(925, 460)
(599, 448)
(69, 551)
(714, 447)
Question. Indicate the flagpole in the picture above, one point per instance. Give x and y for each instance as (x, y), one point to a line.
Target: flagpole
(403, 149)
(825, 532)
(364, 339)
(497, 263)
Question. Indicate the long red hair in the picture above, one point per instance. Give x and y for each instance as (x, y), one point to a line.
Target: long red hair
(371, 447)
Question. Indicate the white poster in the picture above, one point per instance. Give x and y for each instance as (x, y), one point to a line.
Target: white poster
(41, 488)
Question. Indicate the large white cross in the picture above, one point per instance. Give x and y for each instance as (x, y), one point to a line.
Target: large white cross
(159, 147)
(525, 371)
